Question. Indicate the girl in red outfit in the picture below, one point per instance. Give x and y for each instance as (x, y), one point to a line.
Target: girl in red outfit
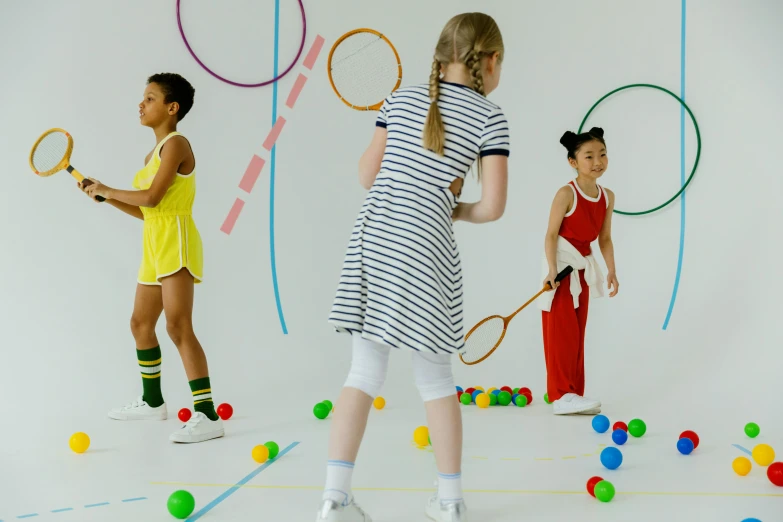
(581, 213)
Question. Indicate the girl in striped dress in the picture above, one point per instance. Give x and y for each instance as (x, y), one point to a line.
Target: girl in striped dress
(401, 282)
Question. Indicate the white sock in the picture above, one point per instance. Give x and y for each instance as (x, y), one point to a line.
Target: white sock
(338, 481)
(450, 487)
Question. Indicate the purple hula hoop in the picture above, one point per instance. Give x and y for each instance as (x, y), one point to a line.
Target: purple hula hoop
(298, 54)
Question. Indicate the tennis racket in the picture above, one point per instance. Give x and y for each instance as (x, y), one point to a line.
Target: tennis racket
(364, 68)
(52, 153)
(486, 336)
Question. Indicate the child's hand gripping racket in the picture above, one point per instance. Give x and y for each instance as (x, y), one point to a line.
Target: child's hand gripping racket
(486, 336)
(52, 153)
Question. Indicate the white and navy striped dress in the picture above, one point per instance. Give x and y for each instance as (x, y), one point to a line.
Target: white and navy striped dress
(401, 282)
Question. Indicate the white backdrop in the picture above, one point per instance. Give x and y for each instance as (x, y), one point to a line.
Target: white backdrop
(69, 266)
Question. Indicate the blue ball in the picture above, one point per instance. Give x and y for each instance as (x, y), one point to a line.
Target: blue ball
(495, 392)
(611, 458)
(751, 520)
(514, 399)
(459, 389)
(619, 437)
(685, 446)
(476, 394)
(601, 423)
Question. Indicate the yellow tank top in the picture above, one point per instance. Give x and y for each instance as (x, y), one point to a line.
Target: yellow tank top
(179, 198)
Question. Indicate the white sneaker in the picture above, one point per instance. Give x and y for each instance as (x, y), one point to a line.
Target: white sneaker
(331, 511)
(571, 403)
(139, 410)
(446, 511)
(594, 411)
(198, 429)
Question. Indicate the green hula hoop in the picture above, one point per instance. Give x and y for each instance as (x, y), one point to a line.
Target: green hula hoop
(695, 126)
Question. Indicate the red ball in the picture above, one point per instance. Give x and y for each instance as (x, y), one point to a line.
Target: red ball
(459, 394)
(184, 414)
(775, 473)
(225, 411)
(691, 435)
(525, 391)
(620, 425)
(591, 485)
(470, 391)
(508, 389)
(529, 396)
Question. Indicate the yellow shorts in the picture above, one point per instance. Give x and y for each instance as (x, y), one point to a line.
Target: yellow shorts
(171, 243)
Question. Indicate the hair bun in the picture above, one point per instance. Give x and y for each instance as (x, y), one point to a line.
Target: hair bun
(597, 131)
(568, 140)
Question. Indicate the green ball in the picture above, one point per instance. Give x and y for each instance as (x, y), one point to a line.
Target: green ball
(752, 430)
(273, 448)
(493, 399)
(546, 398)
(521, 401)
(604, 491)
(321, 410)
(429, 440)
(465, 399)
(637, 427)
(329, 404)
(516, 390)
(504, 398)
(181, 504)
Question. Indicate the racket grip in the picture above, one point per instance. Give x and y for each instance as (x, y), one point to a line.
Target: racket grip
(85, 183)
(562, 275)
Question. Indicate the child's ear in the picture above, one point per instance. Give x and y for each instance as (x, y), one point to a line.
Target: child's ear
(572, 162)
(173, 108)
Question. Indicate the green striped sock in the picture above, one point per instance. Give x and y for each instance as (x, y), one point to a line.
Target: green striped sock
(202, 398)
(150, 364)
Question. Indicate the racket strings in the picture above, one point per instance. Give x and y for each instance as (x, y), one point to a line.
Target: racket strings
(364, 69)
(50, 151)
(483, 340)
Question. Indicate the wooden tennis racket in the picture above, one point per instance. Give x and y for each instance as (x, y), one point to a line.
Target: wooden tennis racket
(364, 68)
(484, 338)
(51, 153)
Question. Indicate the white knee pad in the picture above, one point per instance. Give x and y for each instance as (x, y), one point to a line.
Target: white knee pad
(369, 366)
(433, 375)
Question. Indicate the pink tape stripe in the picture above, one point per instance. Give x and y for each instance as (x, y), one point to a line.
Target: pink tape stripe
(274, 133)
(296, 90)
(233, 215)
(251, 174)
(315, 50)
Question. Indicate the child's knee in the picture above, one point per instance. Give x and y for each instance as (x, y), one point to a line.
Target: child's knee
(178, 329)
(369, 365)
(142, 327)
(433, 375)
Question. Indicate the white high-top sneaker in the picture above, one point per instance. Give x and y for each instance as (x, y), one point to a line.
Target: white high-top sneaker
(332, 511)
(446, 511)
(139, 410)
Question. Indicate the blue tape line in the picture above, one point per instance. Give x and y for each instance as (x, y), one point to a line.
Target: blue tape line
(97, 505)
(134, 499)
(59, 510)
(682, 169)
(28, 516)
(743, 449)
(272, 164)
(233, 489)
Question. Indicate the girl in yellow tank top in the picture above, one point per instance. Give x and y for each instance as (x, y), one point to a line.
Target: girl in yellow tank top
(172, 259)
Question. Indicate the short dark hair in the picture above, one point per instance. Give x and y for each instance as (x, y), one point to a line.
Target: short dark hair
(573, 142)
(175, 89)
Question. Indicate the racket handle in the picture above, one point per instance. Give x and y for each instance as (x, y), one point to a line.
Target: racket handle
(86, 183)
(562, 275)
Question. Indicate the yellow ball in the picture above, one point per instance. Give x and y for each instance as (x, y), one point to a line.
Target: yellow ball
(421, 436)
(379, 403)
(482, 400)
(491, 390)
(741, 466)
(479, 388)
(260, 454)
(764, 455)
(79, 442)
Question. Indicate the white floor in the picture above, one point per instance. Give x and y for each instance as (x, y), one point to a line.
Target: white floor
(520, 464)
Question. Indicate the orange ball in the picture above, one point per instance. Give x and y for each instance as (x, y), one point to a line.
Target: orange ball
(482, 400)
(421, 436)
(379, 403)
(260, 453)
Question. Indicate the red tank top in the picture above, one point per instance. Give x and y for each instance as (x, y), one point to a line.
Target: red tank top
(583, 223)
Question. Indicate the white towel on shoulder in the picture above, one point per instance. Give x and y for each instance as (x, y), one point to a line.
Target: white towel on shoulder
(567, 254)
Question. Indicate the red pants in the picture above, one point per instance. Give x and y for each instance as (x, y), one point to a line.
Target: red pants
(564, 341)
